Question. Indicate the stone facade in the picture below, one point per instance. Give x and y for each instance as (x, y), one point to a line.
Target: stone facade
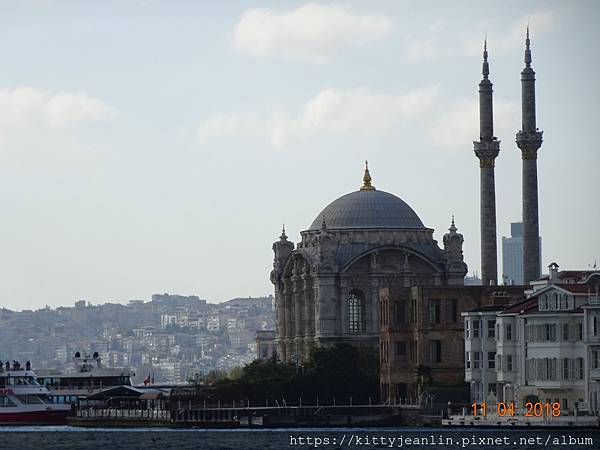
(327, 287)
(422, 336)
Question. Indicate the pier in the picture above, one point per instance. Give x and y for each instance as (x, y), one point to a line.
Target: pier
(257, 416)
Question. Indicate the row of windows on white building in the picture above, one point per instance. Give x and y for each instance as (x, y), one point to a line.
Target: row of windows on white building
(534, 333)
(549, 349)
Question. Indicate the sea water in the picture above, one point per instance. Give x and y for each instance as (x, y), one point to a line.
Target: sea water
(65, 438)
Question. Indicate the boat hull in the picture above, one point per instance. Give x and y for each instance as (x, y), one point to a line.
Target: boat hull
(41, 417)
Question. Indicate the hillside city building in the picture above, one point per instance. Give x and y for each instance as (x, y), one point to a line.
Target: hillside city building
(173, 337)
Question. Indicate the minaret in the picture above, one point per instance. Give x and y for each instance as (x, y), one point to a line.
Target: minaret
(487, 149)
(529, 140)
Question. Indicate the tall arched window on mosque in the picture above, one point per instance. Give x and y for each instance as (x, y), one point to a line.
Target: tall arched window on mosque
(355, 311)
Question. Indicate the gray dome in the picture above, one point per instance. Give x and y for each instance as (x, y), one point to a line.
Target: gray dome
(367, 209)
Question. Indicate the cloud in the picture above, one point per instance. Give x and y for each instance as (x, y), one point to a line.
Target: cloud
(514, 36)
(416, 50)
(65, 109)
(433, 45)
(312, 32)
(361, 113)
(458, 126)
(226, 124)
(26, 108)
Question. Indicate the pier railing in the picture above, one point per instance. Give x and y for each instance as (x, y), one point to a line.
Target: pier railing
(119, 413)
(246, 414)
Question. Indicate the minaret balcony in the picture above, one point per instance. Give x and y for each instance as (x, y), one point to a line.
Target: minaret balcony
(529, 140)
(487, 149)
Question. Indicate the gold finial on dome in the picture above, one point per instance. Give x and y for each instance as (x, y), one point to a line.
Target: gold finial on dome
(367, 179)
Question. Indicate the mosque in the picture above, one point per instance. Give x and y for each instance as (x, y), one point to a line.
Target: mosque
(327, 288)
(368, 272)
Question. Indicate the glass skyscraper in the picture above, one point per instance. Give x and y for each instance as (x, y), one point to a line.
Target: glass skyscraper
(512, 255)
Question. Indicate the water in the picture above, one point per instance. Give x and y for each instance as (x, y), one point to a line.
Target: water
(65, 438)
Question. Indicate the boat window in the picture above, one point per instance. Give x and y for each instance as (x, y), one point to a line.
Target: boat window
(30, 399)
(21, 381)
(5, 402)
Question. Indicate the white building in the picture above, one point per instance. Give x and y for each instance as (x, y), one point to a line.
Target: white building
(591, 328)
(213, 323)
(546, 347)
(167, 319)
(480, 352)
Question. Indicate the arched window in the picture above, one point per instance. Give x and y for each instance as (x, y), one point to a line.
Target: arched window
(544, 303)
(355, 311)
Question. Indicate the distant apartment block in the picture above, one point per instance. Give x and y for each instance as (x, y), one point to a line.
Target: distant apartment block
(171, 337)
(169, 300)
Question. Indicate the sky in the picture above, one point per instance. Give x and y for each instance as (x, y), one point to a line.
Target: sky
(159, 146)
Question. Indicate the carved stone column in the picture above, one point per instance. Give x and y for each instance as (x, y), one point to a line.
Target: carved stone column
(309, 312)
(298, 291)
(372, 312)
(326, 310)
(289, 331)
(372, 326)
(280, 320)
(343, 315)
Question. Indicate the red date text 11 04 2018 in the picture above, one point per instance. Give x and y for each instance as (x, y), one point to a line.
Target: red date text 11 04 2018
(532, 409)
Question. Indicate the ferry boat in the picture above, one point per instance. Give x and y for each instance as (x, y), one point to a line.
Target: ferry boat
(87, 377)
(23, 401)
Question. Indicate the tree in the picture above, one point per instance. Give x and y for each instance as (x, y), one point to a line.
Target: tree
(215, 376)
(235, 373)
(197, 378)
(342, 371)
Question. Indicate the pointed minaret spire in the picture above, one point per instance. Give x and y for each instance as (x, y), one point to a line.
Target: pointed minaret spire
(527, 49)
(486, 116)
(452, 228)
(487, 149)
(283, 236)
(367, 179)
(486, 66)
(529, 140)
